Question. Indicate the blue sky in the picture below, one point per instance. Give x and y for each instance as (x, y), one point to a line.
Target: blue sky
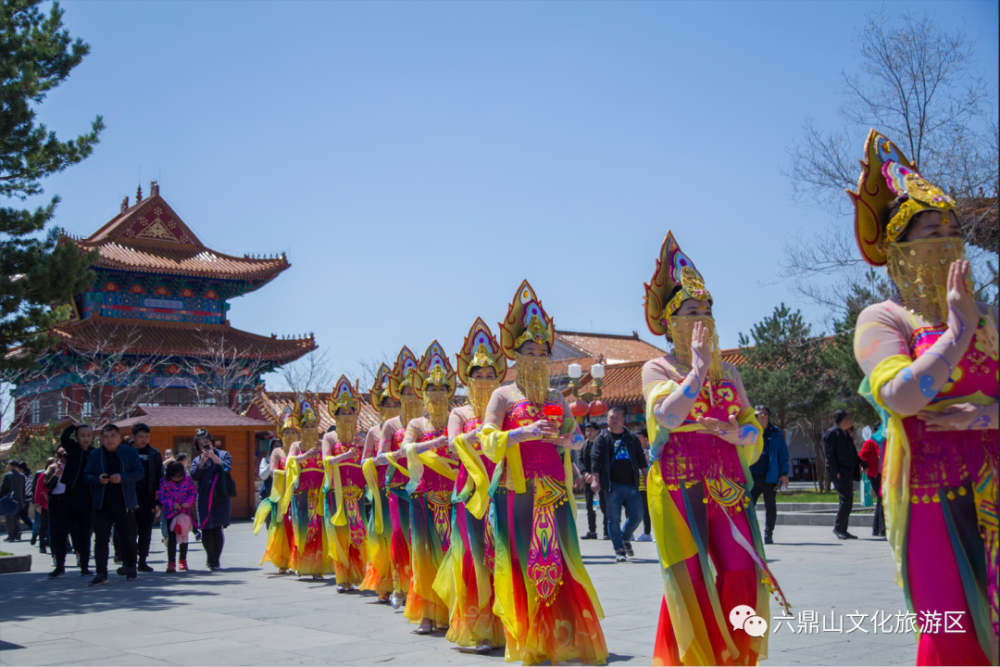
(417, 161)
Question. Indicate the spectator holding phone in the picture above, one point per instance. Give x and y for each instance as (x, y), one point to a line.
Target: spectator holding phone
(112, 472)
(71, 500)
(213, 505)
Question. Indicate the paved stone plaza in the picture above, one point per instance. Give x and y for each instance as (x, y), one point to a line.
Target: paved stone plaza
(247, 615)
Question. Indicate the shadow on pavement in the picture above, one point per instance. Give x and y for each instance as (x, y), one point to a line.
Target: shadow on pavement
(29, 595)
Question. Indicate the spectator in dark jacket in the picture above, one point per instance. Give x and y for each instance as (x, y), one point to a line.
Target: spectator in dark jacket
(770, 470)
(619, 464)
(14, 483)
(591, 431)
(213, 505)
(872, 455)
(843, 464)
(113, 471)
(29, 496)
(145, 491)
(71, 509)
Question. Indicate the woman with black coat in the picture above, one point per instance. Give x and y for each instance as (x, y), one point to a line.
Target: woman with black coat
(209, 471)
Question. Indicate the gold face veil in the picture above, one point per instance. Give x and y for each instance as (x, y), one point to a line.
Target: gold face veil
(526, 321)
(480, 350)
(305, 420)
(435, 371)
(401, 378)
(919, 268)
(286, 428)
(673, 269)
(379, 392)
(344, 397)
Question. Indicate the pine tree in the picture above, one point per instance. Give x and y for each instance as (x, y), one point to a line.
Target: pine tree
(784, 371)
(38, 274)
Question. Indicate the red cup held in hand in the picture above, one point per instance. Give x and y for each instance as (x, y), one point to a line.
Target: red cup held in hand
(554, 413)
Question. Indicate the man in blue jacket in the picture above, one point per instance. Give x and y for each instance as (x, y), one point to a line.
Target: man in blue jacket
(112, 471)
(769, 470)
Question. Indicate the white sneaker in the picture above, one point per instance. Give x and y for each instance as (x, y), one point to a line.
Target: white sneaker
(645, 537)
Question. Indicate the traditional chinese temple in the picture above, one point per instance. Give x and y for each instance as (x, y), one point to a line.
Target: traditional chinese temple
(155, 321)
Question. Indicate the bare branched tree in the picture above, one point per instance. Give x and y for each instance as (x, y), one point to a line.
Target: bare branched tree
(918, 85)
(225, 374)
(369, 367)
(12, 412)
(310, 373)
(114, 378)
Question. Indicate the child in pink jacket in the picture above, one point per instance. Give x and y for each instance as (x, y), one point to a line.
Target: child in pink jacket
(178, 496)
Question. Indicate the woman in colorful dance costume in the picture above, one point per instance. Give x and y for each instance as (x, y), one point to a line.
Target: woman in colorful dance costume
(433, 471)
(465, 579)
(930, 360)
(343, 488)
(304, 494)
(379, 575)
(279, 528)
(704, 437)
(400, 393)
(544, 596)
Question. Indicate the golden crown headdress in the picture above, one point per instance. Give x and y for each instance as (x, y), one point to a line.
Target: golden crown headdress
(526, 320)
(286, 421)
(380, 388)
(304, 415)
(673, 268)
(480, 349)
(434, 368)
(402, 373)
(343, 396)
(886, 174)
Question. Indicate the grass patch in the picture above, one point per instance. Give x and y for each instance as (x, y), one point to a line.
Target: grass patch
(4, 553)
(809, 497)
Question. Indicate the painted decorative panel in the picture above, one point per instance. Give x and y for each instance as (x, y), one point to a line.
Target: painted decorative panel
(128, 305)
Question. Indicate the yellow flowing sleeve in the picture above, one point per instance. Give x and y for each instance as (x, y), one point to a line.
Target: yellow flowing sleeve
(371, 478)
(438, 464)
(394, 464)
(496, 445)
(292, 472)
(677, 543)
(568, 426)
(332, 471)
(479, 482)
(896, 467)
(654, 395)
(415, 465)
(260, 516)
(750, 453)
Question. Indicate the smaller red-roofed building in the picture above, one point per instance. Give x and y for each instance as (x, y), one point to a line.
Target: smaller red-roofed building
(173, 428)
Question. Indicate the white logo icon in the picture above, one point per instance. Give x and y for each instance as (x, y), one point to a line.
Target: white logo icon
(744, 617)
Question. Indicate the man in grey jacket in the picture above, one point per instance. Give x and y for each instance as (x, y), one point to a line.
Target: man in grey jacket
(13, 482)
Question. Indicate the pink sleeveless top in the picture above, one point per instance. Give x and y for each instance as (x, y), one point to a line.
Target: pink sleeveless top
(311, 475)
(950, 458)
(432, 481)
(349, 474)
(398, 479)
(696, 455)
(539, 458)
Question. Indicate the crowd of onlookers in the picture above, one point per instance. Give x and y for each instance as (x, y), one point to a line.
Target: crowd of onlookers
(113, 493)
(614, 462)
